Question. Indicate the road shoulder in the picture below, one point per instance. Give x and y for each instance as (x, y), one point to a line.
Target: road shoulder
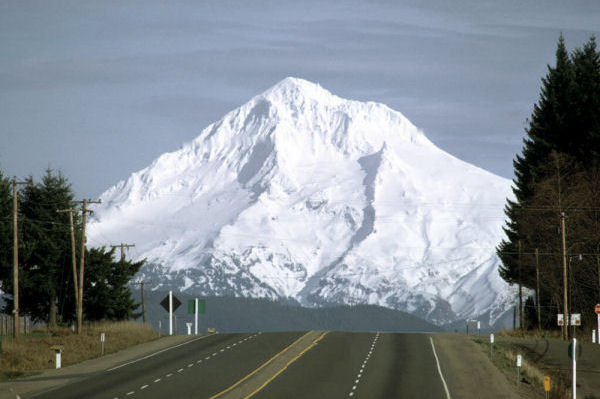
(468, 371)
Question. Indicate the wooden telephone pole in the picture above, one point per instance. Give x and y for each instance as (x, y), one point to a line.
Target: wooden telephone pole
(564, 258)
(84, 212)
(73, 255)
(141, 284)
(123, 247)
(14, 183)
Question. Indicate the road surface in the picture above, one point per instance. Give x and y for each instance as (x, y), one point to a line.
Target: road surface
(315, 364)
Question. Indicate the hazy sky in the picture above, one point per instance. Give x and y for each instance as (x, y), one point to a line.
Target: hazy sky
(98, 89)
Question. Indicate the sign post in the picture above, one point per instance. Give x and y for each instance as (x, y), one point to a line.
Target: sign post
(519, 361)
(597, 310)
(196, 317)
(196, 306)
(574, 356)
(170, 312)
(170, 303)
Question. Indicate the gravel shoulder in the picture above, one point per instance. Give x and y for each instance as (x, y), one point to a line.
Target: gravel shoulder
(468, 371)
(48, 379)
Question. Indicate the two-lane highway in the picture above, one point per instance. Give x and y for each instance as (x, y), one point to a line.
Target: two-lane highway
(302, 365)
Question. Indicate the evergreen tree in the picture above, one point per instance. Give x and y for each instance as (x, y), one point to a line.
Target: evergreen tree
(557, 172)
(45, 260)
(548, 128)
(106, 295)
(6, 240)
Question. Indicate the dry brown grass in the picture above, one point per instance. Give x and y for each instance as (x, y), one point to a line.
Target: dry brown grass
(33, 352)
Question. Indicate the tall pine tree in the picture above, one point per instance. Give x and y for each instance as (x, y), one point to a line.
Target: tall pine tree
(6, 243)
(555, 170)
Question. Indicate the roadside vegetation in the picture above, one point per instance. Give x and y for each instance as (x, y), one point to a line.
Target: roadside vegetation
(48, 261)
(530, 380)
(32, 352)
(553, 224)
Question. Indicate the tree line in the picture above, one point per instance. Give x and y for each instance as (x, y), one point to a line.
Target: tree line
(46, 282)
(557, 194)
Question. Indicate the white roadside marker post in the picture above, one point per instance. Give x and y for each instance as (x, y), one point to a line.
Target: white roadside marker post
(170, 312)
(102, 336)
(189, 328)
(574, 356)
(478, 328)
(58, 351)
(519, 361)
(597, 310)
(593, 336)
(196, 316)
(492, 347)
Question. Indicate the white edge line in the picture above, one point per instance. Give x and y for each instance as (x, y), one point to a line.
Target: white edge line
(156, 353)
(439, 368)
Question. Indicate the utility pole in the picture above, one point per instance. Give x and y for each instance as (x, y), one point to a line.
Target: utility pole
(141, 284)
(15, 259)
(123, 247)
(564, 259)
(73, 255)
(537, 288)
(520, 290)
(84, 212)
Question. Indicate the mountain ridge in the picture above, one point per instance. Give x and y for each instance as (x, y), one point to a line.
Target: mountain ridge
(302, 194)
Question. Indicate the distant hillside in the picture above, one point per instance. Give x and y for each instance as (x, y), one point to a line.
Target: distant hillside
(228, 314)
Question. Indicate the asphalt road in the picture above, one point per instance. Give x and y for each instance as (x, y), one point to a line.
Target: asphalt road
(361, 365)
(198, 369)
(333, 365)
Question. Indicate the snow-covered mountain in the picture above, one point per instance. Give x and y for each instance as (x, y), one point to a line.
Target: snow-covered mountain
(302, 194)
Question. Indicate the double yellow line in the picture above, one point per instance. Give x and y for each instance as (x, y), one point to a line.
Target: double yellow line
(312, 345)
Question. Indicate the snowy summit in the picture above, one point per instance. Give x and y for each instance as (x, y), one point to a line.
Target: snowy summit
(302, 194)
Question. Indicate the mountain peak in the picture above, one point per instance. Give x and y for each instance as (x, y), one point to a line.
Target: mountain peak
(302, 194)
(293, 90)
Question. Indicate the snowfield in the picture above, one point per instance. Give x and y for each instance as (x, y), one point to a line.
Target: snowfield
(305, 195)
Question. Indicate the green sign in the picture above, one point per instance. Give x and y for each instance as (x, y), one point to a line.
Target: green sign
(192, 306)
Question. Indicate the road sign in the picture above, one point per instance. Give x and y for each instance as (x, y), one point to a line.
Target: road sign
(546, 384)
(560, 318)
(192, 306)
(597, 309)
(519, 360)
(165, 303)
(575, 319)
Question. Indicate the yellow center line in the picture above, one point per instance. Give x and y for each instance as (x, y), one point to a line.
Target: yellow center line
(315, 342)
(258, 369)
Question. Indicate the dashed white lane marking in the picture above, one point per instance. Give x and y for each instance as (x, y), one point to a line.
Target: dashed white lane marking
(181, 370)
(439, 369)
(362, 367)
(156, 353)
